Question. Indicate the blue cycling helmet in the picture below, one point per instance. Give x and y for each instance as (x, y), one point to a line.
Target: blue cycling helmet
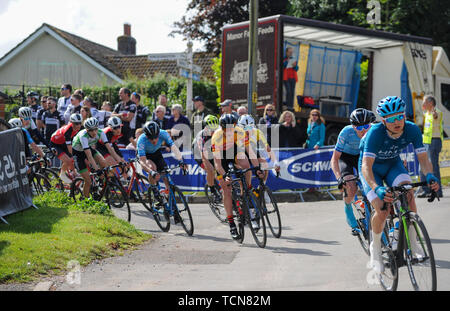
(390, 105)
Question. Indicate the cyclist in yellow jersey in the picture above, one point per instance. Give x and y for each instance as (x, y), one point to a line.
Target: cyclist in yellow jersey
(256, 139)
(228, 146)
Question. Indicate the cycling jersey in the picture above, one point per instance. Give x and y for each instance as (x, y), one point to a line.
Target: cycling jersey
(28, 140)
(256, 138)
(34, 111)
(64, 135)
(110, 135)
(52, 121)
(142, 113)
(202, 143)
(70, 110)
(102, 117)
(224, 143)
(83, 140)
(348, 141)
(145, 147)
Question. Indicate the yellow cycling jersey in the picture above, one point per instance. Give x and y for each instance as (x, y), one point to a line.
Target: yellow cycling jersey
(222, 141)
(257, 138)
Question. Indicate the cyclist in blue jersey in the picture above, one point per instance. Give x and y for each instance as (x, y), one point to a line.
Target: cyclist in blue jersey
(380, 162)
(149, 152)
(344, 161)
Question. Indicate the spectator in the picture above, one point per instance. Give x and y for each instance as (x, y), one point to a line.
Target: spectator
(142, 112)
(85, 114)
(74, 107)
(175, 130)
(200, 111)
(52, 119)
(89, 102)
(104, 114)
(316, 130)
(162, 100)
(125, 110)
(226, 107)
(161, 118)
(132, 145)
(269, 119)
(44, 108)
(242, 110)
(81, 93)
(64, 101)
(290, 134)
(433, 136)
(32, 98)
(290, 77)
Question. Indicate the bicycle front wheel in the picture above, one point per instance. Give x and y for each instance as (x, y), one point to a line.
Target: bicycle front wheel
(216, 207)
(76, 189)
(270, 210)
(39, 184)
(255, 219)
(182, 211)
(116, 196)
(361, 219)
(53, 177)
(419, 256)
(161, 214)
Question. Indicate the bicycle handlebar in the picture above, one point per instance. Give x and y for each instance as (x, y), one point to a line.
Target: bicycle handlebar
(405, 188)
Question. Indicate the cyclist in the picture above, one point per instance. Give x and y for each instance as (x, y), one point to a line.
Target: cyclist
(16, 122)
(25, 115)
(344, 161)
(380, 161)
(150, 156)
(257, 140)
(52, 119)
(83, 149)
(32, 98)
(61, 141)
(228, 146)
(203, 154)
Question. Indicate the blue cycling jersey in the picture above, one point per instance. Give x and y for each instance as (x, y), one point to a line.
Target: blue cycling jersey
(28, 136)
(379, 145)
(144, 146)
(348, 141)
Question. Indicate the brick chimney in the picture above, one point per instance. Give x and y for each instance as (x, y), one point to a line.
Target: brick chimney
(126, 44)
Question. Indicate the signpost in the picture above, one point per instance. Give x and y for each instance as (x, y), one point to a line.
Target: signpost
(187, 67)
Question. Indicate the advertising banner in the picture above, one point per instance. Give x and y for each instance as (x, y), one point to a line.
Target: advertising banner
(15, 193)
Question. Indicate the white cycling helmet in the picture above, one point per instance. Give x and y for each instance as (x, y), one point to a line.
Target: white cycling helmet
(25, 112)
(76, 118)
(15, 122)
(91, 123)
(247, 122)
(114, 122)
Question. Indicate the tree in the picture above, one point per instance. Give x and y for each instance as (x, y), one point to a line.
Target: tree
(425, 18)
(204, 19)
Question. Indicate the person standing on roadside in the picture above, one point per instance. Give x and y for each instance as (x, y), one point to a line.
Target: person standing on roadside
(64, 101)
(200, 111)
(125, 110)
(142, 112)
(316, 130)
(41, 111)
(433, 135)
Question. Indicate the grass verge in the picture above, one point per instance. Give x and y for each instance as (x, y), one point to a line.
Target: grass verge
(41, 242)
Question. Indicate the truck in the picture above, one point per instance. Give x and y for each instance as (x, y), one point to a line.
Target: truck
(328, 58)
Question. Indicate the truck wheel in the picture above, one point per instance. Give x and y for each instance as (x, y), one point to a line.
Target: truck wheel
(331, 136)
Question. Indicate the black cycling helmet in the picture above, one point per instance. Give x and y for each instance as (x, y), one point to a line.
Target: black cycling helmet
(227, 119)
(361, 116)
(151, 130)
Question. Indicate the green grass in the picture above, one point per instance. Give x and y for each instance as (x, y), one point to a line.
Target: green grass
(41, 242)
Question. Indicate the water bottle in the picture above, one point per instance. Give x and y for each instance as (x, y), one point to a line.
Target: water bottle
(393, 236)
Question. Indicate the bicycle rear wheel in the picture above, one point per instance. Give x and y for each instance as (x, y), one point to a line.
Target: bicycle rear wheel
(39, 184)
(389, 278)
(255, 219)
(270, 211)
(140, 191)
(161, 215)
(181, 210)
(53, 178)
(420, 262)
(76, 189)
(216, 207)
(361, 220)
(116, 197)
(239, 219)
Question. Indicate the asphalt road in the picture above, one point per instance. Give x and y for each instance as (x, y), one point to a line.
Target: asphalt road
(316, 253)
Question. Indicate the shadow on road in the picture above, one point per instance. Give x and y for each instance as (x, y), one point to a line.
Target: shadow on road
(442, 264)
(293, 251)
(440, 241)
(307, 240)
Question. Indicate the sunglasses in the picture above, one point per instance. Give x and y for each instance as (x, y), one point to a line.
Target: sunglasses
(395, 118)
(26, 119)
(362, 127)
(315, 115)
(116, 128)
(76, 123)
(64, 88)
(269, 110)
(93, 130)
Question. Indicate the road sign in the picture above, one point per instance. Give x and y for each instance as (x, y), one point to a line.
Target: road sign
(166, 56)
(185, 73)
(182, 63)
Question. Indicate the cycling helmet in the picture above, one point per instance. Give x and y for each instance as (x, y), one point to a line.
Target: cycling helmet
(16, 122)
(114, 122)
(211, 122)
(246, 121)
(151, 129)
(91, 123)
(33, 94)
(390, 105)
(361, 116)
(226, 119)
(76, 118)
(226, 102)
(25, 112)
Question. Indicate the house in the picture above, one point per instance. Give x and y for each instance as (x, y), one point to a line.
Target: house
(51, 56)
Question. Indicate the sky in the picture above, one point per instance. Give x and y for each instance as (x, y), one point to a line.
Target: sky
(100, 21)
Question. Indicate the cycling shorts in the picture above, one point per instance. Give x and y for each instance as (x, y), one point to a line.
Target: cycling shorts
(348, 164)
(61, 149)
(80, 159)
(200, 162)
(392, 172)
(104, 151)
(158, 159)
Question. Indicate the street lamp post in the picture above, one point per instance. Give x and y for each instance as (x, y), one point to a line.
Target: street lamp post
(252, 95)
